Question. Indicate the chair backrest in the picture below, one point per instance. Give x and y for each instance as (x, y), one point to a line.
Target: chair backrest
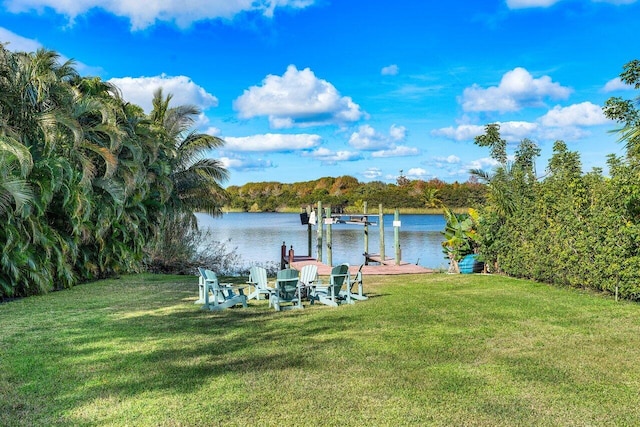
(338, 274)
(210, 276)
(258, 276)
(287, 283)
(309, 274)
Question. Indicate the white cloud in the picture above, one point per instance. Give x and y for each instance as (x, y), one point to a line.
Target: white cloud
(516, 90)
(459, 133)
(297, 98)
(511, 131)
(272, 142)
(327, 156)
(390, 70)
(372, 173)
(139, 91)
(397, 151)
(213, 131)
(615, 1)
(239, 163)
(523, 4)
(583, 114)
(559, 123)
(398, 133)
(416, 173)
(517, 130)
(367, 138)
(483, 163)
(18, 43)
(615, 85)
(451, 159)
(143, 14)
(568, 133)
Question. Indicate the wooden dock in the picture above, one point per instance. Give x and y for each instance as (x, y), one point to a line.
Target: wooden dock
(382, 269)
(377, 258)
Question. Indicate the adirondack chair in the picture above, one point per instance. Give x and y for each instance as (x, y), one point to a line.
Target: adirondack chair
(286, 290)
(355, 289)
(221, 296)
(258, 280)
(330, 295)
(308, 278)
(201, 286)
(202, 279)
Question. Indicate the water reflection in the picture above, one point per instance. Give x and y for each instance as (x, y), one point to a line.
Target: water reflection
(258, 237)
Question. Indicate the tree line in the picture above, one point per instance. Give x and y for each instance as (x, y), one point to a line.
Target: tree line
(90, 185)
(569, 227)
(348, 193)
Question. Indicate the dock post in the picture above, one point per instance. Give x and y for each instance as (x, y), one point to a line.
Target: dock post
(366, 233)
(396, 234)
(309, 233)
(319, 232)
(381, 222)
(283, 254)
(329, 252)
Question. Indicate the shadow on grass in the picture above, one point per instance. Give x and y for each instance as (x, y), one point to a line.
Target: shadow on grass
(156, 344)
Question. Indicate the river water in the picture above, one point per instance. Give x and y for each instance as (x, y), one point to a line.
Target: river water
(258, 237)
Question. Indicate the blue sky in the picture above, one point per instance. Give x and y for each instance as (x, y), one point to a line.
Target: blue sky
(301, 89)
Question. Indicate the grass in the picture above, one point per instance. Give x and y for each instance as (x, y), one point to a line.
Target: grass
(468, 350)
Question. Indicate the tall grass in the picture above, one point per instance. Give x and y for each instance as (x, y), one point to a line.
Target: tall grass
(423, 350)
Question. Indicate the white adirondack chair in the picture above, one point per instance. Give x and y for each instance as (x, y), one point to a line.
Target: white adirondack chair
(308, 279)
(258, 280)
(201, 286)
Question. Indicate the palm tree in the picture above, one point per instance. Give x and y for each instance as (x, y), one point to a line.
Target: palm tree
(196, 178)
(430, 197)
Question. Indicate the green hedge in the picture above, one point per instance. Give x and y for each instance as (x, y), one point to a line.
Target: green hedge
(572, 229)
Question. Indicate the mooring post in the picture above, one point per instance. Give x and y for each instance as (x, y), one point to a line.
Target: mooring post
(283, 253)
(396, 234)
(319, 232)
(329, 221)
(366, 233)
(309, 230)
(381, 222)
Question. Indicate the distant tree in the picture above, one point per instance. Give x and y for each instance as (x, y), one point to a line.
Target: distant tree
(402, 180)
(430, 197)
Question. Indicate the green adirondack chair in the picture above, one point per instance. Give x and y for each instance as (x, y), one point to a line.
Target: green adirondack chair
(286, 291)
(330, 295)
(221, 296)
(258, 280)
(355, 289)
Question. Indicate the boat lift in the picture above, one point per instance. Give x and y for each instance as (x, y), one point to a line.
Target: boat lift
(325, 218)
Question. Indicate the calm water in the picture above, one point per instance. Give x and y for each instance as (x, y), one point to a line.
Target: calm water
(258, 237)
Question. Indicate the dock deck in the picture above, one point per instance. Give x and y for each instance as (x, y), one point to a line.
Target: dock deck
(382, 269)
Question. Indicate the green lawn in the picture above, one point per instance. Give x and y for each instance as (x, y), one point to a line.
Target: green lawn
(424, 350)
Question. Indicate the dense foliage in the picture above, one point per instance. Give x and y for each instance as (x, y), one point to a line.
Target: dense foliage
(87, 180)
(348, 193)
(570, 228)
